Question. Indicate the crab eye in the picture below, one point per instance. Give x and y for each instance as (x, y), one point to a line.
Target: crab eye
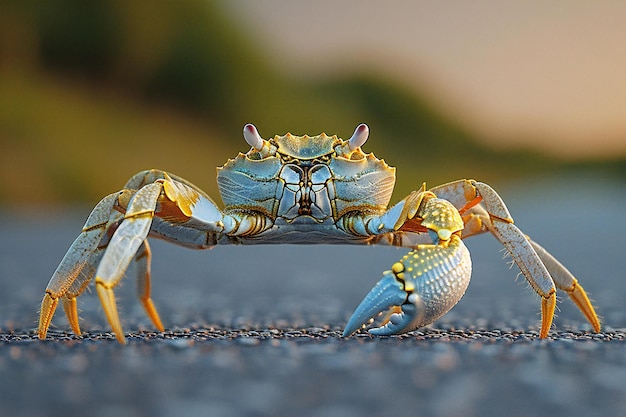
(359, 137)
(251, 135)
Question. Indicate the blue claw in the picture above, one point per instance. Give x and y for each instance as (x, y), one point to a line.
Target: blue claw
(424, 285)
(409, 319)
(387, 293)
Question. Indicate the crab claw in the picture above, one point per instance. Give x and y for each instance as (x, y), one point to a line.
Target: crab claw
(386, 294)
(424, 285)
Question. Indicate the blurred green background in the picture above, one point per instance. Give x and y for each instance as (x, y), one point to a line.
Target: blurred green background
(92, 92)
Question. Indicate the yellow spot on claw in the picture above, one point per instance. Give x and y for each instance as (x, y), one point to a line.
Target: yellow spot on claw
(444, 234)
(397, 268)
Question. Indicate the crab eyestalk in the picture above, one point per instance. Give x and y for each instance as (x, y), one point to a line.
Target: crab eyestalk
(358, 139)
(252, 137)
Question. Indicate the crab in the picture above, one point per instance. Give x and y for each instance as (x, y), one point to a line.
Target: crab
(308, 189)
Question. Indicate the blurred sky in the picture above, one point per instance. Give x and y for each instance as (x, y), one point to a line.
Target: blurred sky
(551, 74)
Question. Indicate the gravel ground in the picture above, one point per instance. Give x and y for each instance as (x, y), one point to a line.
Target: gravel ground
(257, 330)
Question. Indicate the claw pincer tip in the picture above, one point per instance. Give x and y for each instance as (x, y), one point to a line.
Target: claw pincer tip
(388, 292)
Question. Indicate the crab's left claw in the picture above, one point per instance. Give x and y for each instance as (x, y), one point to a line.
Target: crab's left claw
(422, 287)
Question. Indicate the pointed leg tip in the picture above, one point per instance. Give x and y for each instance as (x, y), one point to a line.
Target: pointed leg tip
(71, 311)
(119, 333)
(75, 329)
(107, 299)
(48, 306)
(548, 305)
(120, 338)
(594, 320)
(580, 298)
(595, 323)
(42, 330)
(152, 313)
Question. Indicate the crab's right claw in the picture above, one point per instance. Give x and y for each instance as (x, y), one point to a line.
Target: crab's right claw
(419, 289)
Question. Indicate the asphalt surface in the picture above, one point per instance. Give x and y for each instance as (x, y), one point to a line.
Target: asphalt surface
(256, 331)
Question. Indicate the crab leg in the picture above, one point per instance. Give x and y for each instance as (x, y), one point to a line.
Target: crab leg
(78, 286)
(522, 252)
(142, 258)
(478, 221)
(178, 206)
(566, 281)
(72, 274)
(123, 246)
(483, 210)
(153, 203)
